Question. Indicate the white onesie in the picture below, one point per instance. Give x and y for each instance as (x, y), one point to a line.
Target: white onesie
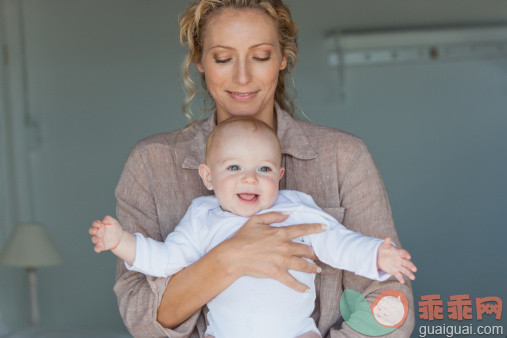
(258, 307)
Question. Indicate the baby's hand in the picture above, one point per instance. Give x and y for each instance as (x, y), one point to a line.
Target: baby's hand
(395, 261)
(106, 234)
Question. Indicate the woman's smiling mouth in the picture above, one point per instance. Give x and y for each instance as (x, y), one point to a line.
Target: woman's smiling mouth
(242, 96)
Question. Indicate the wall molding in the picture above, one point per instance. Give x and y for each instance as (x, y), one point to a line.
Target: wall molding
(16, 177)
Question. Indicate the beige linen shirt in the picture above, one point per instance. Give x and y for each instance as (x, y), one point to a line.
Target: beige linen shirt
(160, 180)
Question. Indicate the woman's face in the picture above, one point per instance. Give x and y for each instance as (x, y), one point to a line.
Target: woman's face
(241, 60)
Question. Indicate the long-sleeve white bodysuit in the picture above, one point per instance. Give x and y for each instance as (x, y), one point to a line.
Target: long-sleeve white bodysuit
(258, 307)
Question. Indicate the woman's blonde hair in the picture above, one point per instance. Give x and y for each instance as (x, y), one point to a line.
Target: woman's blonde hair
(193, 22)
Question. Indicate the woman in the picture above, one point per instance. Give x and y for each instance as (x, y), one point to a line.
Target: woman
(244, 50)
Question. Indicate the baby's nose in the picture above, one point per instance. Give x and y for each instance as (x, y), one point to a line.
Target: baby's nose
(250, 178)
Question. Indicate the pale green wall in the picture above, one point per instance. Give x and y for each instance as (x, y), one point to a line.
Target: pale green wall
(104, 74)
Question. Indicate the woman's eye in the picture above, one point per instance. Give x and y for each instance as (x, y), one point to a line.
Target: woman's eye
(263, 59)
(222, 60)
(233, 167)
(265, 169)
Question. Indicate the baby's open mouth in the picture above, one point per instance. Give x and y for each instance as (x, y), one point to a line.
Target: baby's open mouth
(248, 197)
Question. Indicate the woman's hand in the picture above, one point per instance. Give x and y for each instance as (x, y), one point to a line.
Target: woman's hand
(261, 250)
(257, 250)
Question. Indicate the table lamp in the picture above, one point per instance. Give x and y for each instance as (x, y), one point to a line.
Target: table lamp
(30, 247)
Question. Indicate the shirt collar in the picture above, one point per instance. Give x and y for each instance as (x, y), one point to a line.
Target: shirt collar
(292, 139)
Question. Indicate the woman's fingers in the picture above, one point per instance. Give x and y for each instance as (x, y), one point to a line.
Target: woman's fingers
(300, 230)
(300, 264)
(268, 251)
(302, 250)
(270, 218)
(289, 280)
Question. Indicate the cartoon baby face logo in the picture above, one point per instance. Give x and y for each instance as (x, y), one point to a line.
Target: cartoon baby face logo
(390, 308)
(384, 315)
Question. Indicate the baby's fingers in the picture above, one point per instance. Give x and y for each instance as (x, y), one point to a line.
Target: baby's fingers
(403, 253)
(399, 277)
(408, 273)
(108, 220)
(97, 224)
(387, 242)
(98, 244)
(409, 265)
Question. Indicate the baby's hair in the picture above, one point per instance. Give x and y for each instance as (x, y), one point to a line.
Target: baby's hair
(251, 124)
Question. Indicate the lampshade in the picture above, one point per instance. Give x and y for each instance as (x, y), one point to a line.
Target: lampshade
(30, 247)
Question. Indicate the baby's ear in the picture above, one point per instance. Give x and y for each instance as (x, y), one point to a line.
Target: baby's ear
(205, 173)
(282, 171)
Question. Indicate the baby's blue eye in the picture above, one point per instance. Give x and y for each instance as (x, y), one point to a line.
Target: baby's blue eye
(265, 169)
(233, 167)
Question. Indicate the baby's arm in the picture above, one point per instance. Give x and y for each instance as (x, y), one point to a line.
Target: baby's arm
(395, 261)
(366, 256)
(181, 248)
(347, 250)
(109, 235)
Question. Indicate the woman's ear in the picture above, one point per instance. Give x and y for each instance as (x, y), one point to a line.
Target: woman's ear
(205, 173)
(199, 67)
(283, 65)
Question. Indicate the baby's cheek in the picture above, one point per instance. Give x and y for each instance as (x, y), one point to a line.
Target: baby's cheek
(273, 196)
(270, 188)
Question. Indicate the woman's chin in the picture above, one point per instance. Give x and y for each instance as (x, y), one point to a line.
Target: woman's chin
(239, 108)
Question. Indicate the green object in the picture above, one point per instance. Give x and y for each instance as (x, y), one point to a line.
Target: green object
(356, 312)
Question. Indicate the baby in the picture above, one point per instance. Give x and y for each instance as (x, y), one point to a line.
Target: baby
(243, 168)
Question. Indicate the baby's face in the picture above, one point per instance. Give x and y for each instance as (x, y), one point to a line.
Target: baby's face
(244, 171)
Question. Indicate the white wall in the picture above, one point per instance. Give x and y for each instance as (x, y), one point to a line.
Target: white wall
(97, 72)
(14, 174)
(104, 74)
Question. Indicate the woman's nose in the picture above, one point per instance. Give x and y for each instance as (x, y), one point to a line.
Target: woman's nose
(242, 73)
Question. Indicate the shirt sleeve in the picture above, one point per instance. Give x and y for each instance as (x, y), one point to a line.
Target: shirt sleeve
(139, 295)
(367, 211)
(339, 247)
(180, 249)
